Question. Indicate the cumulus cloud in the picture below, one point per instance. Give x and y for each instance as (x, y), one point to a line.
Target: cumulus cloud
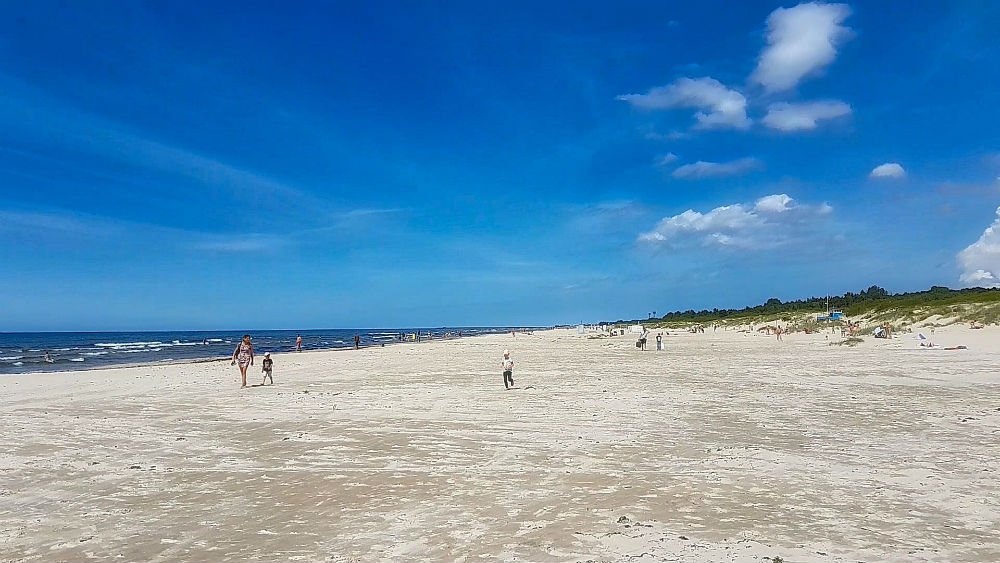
(888, 170)
(771, 221)
(787, 117)
(720, 107)
(703, 169)
(777, 203)
(980, 261)
(801, 41)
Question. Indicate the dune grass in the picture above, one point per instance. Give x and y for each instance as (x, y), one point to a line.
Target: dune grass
(875, 305)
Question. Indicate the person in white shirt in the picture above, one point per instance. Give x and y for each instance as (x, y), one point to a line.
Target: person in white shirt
(507, 365)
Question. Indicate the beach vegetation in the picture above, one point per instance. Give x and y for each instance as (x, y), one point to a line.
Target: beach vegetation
(875, 303)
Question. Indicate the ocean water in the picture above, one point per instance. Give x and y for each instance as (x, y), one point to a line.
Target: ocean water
(25, 352)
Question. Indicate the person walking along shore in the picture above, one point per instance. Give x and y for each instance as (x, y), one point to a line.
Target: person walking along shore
(243, 355)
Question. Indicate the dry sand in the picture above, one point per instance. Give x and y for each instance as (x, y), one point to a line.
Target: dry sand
(725, 447)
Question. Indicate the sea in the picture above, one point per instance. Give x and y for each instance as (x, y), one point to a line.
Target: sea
(30, 352)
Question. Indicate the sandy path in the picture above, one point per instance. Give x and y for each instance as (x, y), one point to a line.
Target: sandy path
(726, 447)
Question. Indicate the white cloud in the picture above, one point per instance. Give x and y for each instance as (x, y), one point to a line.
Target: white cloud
(703, 169)
(980, 277)
(784, 116)
(777, 203)
(771, 221)
(801, 41)
(665, 159)
(888, 170)
(721, 107)
(980, 261)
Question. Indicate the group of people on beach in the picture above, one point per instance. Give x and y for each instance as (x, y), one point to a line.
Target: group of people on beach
(243, 356)
(640, 343)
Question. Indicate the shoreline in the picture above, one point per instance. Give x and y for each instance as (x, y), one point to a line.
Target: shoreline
(83, 366)
(212, 359)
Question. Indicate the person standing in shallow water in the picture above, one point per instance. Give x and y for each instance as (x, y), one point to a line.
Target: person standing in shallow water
(357, 341)
(243, 355)
(507, 365)
(298, 342)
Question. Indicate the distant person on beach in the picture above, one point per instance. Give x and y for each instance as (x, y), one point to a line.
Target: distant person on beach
(298, 342)
(266, 367)
(659, 341)
(507, 365)
(243, 355)
(778, 332)
(357, 341)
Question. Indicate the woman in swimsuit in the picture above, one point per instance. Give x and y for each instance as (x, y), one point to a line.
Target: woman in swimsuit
(243, 354)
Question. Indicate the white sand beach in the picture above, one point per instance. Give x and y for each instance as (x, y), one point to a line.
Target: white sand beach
(725, 447)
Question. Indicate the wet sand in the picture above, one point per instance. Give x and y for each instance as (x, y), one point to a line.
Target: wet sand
(724, 447)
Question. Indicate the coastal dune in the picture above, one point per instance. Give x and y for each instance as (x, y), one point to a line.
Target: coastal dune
(726, 446)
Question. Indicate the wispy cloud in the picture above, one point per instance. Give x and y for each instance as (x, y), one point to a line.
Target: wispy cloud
(36, 115)
(33, 223)
(967, 191)
(788, 117)
(671, 136)
(721, 107)
(70, 228)
(704, 169)
(353, 220)
(606, 217)
(244, 243)
(665, 159)
(888, 170)
(801, 42)
(67, 229)
(353, 213)
(770, 222)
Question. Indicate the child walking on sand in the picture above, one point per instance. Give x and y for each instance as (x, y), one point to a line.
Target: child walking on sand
(507, 365)
(266, 368)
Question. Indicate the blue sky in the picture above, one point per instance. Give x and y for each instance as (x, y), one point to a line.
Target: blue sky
(172, 165)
